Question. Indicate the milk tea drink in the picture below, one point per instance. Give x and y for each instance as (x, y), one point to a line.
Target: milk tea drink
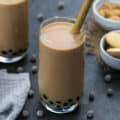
(13, 30)
(61, 65)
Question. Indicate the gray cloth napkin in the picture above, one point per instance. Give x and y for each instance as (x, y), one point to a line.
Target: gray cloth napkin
(14, 89)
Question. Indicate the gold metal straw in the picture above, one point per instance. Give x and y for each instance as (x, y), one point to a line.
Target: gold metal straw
(81, 17)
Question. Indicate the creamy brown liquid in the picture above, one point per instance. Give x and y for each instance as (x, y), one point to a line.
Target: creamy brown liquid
(5, 2)
(13, 26)
(61, 64)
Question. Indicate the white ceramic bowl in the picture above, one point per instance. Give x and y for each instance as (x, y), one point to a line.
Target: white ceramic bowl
(109, 60)
(107, 24)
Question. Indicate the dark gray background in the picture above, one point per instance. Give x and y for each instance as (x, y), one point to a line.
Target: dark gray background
(105, 108)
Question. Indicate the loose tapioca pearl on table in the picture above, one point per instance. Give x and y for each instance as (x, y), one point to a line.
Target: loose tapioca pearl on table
(90, 114)
(20, 69)
(31, 93)
(40, 113)
(33, 58)
(91, 96)
(108, 78)
(110, 92)
(60, 5)
(25, 114)
(40, 17)
(34, 69)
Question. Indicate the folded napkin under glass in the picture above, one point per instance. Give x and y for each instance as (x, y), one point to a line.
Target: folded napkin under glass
(14, 89)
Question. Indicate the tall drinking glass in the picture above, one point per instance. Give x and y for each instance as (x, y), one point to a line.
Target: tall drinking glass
(13, 30)
(61, 65)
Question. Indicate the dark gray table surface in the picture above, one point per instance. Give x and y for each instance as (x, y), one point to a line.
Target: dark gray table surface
(105, 108)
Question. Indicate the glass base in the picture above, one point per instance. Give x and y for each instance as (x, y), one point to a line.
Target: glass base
(12, 59)
(60, 110)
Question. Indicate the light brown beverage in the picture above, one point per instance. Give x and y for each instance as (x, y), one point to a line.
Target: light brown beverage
(61, 66)
(13, 27)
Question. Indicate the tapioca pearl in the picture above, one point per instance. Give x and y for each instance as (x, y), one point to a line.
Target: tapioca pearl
(108, 78)
(58, 102)
(25, 49)
(40, 113)
(58, 107)
(21, 50)
(90, 114)
(51, 102)
(45, 97)
(10, 51)
(14, 53)
(20, 69)
(70, 100)
(91, 96)
(31, 93)
(4, 52)
(33, 58)
(40, 17)
(34, 69)
(78, 98)
(25, 114)
(60, 5)
(65, 104)
(110, 92)
(72, 103)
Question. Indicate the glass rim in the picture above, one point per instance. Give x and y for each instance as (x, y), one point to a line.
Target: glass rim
(57, 19)
(52, 19)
